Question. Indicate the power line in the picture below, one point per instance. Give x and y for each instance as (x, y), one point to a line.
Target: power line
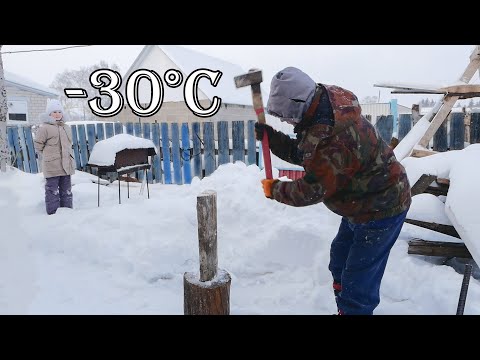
(35, 50)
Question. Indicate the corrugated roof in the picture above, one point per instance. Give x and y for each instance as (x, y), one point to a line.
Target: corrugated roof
(12, 79)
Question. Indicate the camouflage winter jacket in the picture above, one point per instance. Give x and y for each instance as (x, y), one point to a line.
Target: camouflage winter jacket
(348, 166)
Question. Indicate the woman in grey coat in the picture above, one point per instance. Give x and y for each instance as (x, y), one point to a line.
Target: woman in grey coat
(53, 140)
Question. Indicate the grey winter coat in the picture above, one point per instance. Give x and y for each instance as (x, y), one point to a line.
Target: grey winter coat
(53, 140)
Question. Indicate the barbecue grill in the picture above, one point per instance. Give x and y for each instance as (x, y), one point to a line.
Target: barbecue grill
(127, 161)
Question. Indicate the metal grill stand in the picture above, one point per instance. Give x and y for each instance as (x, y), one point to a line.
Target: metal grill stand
(127, 161)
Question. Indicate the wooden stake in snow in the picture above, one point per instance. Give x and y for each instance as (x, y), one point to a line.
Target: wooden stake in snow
(207, 293)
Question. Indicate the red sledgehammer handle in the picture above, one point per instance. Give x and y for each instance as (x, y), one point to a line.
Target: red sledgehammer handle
(267, 161)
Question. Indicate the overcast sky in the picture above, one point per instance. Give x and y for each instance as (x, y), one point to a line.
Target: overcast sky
(355, 67)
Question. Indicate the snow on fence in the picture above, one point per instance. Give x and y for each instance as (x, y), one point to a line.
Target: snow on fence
(183, 150)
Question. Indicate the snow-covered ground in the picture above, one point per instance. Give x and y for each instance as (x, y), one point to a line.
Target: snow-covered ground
(130, 258)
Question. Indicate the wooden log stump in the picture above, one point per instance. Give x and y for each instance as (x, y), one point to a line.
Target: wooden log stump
(207, 293)
(207, 297)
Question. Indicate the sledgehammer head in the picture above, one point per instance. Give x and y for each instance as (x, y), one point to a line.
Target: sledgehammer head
(253, 77)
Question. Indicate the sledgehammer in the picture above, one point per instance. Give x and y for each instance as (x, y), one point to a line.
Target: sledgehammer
(254, 78)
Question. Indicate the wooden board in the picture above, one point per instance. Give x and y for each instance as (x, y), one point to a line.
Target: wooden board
(422, 184)
(197, 150)
(223, 148)
(238, 139)
(438, 248)
(157, 166)
(461, 88)
(187, 170)
(177, 167)
(418, 153)
(251, 143)
(167, 170)
(209, 148)
(441, 228)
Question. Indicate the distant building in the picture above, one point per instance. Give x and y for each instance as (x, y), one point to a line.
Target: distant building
(373, 110)
(26, 100)
(236, 103)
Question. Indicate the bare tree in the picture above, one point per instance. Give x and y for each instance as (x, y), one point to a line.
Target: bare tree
(370, 100)
(80, 79)
(4, 153)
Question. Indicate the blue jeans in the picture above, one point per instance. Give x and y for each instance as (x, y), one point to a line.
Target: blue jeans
(358, 257)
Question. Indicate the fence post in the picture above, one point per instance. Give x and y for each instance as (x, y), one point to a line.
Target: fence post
(404, 125)
(475, 128)
(384, 126)
(209, 293)
(416, 113)
(394, 112)
(457, 131)
(440, 139)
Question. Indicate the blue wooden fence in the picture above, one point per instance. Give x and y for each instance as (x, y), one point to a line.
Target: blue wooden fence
(475, 128)
(183, 150)
(405, 122)
(440, 139)
(188, 150)
(449, 136)
(384, 126)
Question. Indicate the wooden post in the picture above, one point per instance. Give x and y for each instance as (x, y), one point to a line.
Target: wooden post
(394, 112)
(384, 126)
(457, 131)
(416, 113)
(475, 128)
(207, 293)
(440, 139)
(404, 125)
(468, 118)
(422, 184)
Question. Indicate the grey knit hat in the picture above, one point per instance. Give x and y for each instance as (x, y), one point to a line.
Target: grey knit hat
(291, 94)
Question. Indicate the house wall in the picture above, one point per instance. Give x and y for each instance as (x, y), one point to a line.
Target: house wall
(36, 103)
(379, 109)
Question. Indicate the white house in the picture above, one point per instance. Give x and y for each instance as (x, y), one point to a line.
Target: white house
(373, 110)
(26, 99)
(236, 104)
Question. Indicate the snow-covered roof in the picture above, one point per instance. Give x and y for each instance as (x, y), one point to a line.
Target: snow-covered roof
(189, 60)
(28, 85)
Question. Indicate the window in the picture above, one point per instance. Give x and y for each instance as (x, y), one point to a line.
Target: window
(17, 110)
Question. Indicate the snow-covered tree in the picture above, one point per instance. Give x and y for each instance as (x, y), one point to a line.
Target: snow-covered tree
(78, 108)
(4, 154)
(370, 100)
